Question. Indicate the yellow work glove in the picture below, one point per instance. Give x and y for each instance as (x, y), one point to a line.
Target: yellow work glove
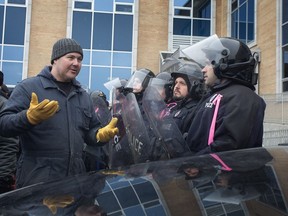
(108, 132)
(54, 202)
(39, 112)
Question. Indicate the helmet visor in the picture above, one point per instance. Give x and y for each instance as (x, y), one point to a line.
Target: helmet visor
(136, 81)
(207, 51)
(115, 83)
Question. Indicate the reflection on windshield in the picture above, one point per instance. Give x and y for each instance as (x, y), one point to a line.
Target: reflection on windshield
(228, 183)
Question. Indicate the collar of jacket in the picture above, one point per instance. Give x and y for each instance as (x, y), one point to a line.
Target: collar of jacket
(186, 102)
(220, 86)
(48, 80)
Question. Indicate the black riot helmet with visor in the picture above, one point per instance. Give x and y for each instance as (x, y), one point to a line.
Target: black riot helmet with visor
(230, 58)
(139, 80)
(192, 74)
(101, 94)
(163, 83)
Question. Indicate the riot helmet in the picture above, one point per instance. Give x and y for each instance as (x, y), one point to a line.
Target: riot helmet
(166, 76)
(191, 73)
(123, 82)
(139, 80)
(238, 64)
(98, 93)
(120, 90)
(230, 58)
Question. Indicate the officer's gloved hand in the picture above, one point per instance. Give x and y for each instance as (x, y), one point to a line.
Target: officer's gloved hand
(39, 112)
(54, 202)
(108, 132)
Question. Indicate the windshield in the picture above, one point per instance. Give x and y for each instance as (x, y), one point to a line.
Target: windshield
(242, 181)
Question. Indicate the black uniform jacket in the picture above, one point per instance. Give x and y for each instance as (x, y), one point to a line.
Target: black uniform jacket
(239, 120)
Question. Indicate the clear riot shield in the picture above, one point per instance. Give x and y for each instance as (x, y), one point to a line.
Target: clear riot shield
(120, 154)
(163, 125)
(97, 157)
(136, 130)
(102, 111)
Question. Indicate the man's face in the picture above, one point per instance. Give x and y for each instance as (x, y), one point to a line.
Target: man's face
(209, 76)
(67, 67)
(137, 85)
(180, 90)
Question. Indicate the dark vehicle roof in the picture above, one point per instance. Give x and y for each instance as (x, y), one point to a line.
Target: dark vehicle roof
(242, 182)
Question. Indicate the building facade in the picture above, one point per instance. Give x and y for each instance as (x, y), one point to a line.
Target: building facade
(119, 36)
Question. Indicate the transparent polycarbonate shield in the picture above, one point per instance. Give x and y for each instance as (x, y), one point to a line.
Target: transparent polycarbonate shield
(120, 154)
(115, 83)
(104, 116)
(208, 51)
(101, 109)
(117, 99)
(136, 130)
(137, 78)
(163, 124)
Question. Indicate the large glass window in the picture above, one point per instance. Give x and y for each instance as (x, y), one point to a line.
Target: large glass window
(242, 20)
(102, 31)
(80, 31)
(285, 44)
(13, 15)
(191, 21)
(105, 30)
(123, 31)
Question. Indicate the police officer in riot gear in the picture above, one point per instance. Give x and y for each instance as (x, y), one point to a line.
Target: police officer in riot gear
(139, 81)
(187, 91)
(135, 119)
(137, 84)
(231, 116)
(101, 94)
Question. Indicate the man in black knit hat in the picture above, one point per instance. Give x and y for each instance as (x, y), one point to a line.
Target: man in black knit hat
(54, 117)
(187, 91)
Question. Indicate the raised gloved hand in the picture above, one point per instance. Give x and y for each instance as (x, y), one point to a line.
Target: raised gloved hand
(39, 112)
(54, 202)
(108, 132)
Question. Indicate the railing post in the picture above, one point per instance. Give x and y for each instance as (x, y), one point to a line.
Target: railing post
(282, 108)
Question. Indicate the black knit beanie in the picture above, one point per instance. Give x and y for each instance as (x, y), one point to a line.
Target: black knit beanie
(64, 46)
